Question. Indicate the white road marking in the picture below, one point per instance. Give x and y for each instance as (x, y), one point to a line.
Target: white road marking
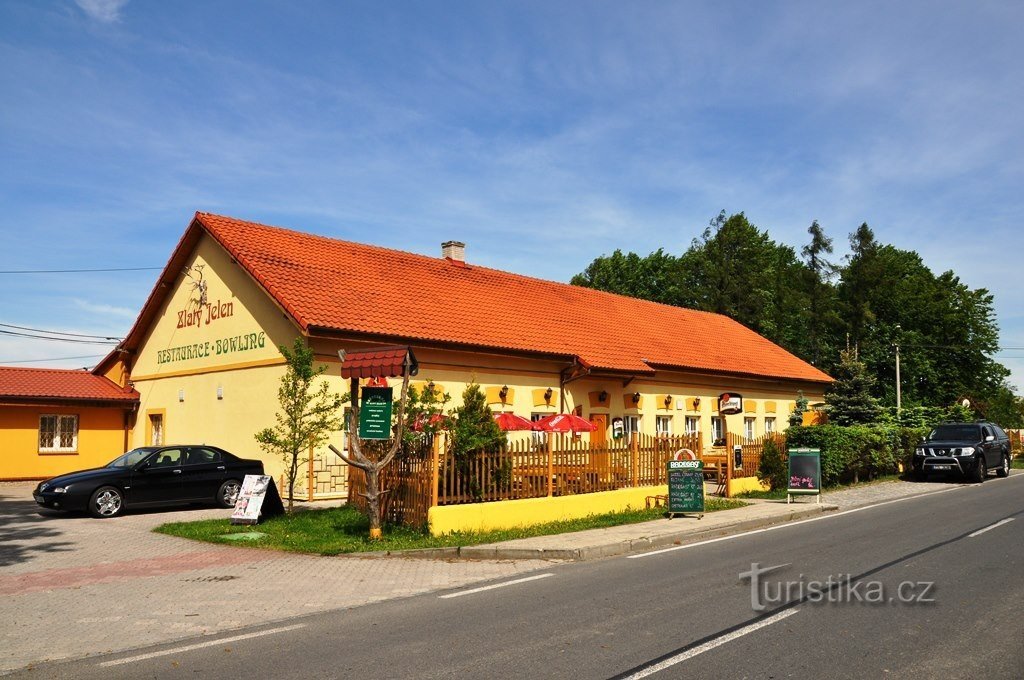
(1000, 523)
(711, 644)
(785, 525)
(493, 586)
(200, 645)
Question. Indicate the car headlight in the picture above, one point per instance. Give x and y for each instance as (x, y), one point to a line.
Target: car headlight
(965, 451)
(918, 452)
(61, 489)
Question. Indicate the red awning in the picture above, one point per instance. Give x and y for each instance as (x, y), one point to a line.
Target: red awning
(380, 362)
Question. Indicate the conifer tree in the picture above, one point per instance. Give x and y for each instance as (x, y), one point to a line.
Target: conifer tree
(848, 400)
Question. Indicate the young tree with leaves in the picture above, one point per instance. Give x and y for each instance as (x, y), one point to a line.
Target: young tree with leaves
(472, 432)
(307, 417)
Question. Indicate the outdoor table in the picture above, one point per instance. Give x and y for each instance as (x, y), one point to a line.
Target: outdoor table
(714, 466)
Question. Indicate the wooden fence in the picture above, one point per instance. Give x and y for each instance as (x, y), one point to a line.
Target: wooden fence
(1016, 442)
(406, 482)
(423, 475)
(750, 458)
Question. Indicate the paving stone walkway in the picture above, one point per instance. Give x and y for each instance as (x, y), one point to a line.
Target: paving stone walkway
(72, 586)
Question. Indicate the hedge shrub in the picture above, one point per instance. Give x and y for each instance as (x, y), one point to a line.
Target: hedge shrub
(851, 453)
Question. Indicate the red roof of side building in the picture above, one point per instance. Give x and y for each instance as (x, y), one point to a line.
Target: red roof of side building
(56, 384)
(339, 286)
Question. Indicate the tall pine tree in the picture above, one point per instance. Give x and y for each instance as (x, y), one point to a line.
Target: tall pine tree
(848, 400)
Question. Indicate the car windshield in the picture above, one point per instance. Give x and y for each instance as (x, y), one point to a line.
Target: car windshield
(956, 433)
(129, 459)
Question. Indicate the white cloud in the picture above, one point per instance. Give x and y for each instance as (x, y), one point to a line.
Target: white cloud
(107, 11)
(95, 308)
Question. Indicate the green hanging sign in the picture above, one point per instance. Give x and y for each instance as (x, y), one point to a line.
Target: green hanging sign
(375, 413)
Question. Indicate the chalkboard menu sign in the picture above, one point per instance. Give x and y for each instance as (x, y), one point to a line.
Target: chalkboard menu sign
(685, 486)
(737, 457)
(804, 471)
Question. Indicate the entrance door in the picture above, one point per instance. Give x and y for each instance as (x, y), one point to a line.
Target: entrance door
(598, 436)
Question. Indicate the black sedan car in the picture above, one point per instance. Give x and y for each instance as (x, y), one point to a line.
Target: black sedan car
(149, 477)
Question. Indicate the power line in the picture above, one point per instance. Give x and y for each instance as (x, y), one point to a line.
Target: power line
(74, 335)
(71, 340)
(31, 361)
(78, 271)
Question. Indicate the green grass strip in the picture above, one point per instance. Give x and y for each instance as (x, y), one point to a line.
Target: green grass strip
(334, 531)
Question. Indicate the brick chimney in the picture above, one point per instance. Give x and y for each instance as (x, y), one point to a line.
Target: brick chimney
(454, 251)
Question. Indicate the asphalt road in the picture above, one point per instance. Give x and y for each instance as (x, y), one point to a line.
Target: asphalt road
(684, 612)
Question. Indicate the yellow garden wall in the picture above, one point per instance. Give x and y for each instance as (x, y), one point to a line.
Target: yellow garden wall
(744, 484)
(528, 511)
(100, 439)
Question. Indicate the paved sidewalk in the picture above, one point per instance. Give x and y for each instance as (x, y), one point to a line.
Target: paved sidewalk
(75, 586)
(611, 541)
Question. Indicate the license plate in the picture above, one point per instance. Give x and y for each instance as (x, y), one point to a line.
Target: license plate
(942, 467)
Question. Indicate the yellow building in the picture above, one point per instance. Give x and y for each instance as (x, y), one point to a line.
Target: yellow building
(203, 354)
(53, 421)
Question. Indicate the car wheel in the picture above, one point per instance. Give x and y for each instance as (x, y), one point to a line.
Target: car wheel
(106, 502)
(1004, 469)
(980, 470)
(228, 493)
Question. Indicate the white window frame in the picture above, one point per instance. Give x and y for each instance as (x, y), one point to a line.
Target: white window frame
(62, 422)
(749, 428)
(717, 429)
(540, 439)
(156, 429)
(769, 425)
(663, 426)
(692, 425)
(630, 424)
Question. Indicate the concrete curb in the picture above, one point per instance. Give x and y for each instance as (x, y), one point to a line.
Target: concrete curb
(688, 535)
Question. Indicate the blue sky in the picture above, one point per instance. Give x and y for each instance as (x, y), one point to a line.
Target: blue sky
(542, 134)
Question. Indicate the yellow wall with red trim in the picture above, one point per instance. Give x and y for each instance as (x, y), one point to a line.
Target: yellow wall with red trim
(182, 385)
(101, 438)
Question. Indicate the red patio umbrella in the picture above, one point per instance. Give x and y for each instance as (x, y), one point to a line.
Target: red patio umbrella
(510, 421)
(564, 422)
(438, 419)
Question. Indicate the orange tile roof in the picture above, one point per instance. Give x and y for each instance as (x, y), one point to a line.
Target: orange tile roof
(381, 362)
(35, 384)
(328, 284)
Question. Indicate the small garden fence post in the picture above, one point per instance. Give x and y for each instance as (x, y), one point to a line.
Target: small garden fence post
(309, 465)
(435, 468)
(551, 464)
(634, 454)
